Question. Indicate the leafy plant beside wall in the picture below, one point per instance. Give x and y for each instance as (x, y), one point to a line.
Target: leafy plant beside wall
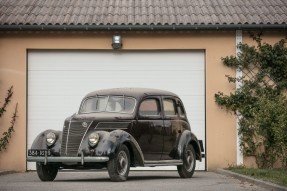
(260, 102)
(4, 140)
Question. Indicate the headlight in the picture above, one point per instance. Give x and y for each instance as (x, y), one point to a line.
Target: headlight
(50, 138)
(94, 139)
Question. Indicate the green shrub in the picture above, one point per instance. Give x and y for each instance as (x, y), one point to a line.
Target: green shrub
(260, 102)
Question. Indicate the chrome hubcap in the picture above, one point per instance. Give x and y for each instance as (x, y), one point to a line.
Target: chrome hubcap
(189, 160)
(122, 163)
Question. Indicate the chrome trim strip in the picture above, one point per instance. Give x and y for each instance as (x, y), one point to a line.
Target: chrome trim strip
(110, 123)
(111, 128)
(163, 163)
(67, 140)
(84, 136)
(68, 159)
(107, 103)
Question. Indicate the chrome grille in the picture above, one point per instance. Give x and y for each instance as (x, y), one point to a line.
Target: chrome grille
(72, 136)
(64, 137)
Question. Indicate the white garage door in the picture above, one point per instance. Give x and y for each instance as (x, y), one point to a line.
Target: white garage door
(58, 80)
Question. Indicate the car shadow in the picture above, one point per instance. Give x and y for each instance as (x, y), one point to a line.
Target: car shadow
(130, 178)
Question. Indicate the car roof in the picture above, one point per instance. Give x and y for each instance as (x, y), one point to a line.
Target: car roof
(137, 93)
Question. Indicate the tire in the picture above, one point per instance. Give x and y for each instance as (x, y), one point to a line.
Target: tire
(189, 161)
(46, 172)
(119, 166)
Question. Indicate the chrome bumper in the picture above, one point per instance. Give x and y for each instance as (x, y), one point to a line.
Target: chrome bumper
(82, 159)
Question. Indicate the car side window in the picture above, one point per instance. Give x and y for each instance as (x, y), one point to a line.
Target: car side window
(180, 110)
(169, 107)
(149, 107)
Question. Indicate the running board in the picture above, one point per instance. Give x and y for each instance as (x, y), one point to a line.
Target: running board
(163, 163)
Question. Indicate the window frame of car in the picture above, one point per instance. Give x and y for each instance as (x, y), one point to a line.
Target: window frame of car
(159, 106)
(174, 100)
(105, 111)
(179, 104)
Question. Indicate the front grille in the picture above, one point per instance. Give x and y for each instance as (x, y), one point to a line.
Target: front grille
(64, 137)
(73, 133)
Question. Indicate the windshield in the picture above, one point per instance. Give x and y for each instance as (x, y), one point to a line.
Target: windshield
(117, 104)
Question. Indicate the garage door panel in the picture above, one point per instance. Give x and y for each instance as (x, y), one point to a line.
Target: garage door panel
(193, 107)
(52, 106)
(74, 81)
(113, 66)
(58, 80)
(39, 125)
(197, 127)
(66, 60)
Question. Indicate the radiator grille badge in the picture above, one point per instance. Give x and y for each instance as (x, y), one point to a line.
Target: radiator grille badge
(85, 124)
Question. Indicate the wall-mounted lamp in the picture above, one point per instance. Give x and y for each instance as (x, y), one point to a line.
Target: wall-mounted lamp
(117, 42)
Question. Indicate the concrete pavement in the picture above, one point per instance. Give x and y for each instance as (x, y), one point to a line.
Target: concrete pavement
(138, 180)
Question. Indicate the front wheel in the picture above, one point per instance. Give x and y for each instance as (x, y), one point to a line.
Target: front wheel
(119, 166)
(46, 172)
(189, 160)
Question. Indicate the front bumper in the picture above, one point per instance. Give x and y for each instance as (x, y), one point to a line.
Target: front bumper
(82, 159)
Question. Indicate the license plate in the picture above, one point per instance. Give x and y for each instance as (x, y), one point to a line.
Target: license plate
(38, 152)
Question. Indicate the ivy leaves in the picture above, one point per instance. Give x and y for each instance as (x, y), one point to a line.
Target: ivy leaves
(260, 101)
(4, 140)
(273, 61)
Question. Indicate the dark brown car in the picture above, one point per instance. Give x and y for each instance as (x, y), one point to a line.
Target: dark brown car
(118, 129)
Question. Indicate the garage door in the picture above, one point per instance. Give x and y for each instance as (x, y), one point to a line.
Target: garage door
(58, 80)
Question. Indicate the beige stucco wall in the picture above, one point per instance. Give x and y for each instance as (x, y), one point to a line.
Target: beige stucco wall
(270, 37)
(220, 125)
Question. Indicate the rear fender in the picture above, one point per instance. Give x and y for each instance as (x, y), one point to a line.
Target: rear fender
(187, 137)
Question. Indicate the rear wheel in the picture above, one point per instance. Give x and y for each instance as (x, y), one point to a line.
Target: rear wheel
(46, 172)
(189, 160)
(119, 166)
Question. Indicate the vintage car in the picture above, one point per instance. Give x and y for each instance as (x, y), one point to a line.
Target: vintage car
(118, 129)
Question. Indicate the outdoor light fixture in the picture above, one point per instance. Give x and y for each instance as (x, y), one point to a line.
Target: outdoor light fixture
(117, 42)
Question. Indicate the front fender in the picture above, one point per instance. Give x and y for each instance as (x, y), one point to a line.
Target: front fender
(109, 144)
(187, 137)
(40, 142)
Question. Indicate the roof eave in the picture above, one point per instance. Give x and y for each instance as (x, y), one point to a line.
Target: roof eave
(139, 27)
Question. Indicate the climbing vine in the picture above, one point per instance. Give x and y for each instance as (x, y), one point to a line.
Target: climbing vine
(260, 102)
(4, 140)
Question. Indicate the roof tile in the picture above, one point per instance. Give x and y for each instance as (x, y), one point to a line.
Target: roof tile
(132, 12)
(131, 20)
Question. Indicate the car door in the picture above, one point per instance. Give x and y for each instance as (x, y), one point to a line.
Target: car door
(172, 127)
(149, 127)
